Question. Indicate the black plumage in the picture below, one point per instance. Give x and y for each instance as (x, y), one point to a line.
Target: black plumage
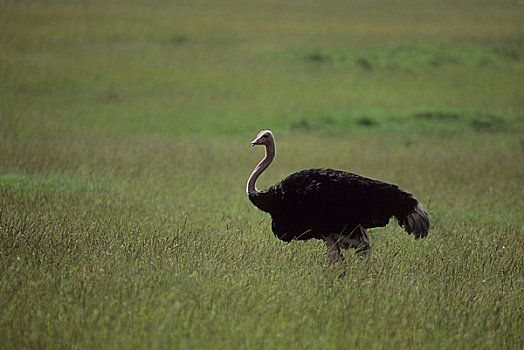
(333, 205)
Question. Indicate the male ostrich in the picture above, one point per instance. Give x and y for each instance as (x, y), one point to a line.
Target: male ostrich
(332, 205)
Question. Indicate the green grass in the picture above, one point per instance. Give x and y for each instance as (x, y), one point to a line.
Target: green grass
(124, 152)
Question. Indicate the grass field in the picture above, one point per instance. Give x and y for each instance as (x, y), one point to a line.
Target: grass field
(124, 152)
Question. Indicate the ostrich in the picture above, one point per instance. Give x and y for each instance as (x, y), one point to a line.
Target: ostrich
(332, 205)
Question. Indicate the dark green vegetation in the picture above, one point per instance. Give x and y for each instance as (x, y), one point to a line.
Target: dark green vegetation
(124, 151)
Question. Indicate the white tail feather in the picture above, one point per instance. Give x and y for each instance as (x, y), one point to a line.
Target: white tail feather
(417, 222)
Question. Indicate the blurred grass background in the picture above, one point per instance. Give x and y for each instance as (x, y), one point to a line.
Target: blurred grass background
(230, 67)
(124, 151)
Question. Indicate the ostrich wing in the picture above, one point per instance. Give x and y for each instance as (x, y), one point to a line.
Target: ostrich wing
(327, 199)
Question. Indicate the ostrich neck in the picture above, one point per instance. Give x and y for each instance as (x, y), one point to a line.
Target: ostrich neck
(270, 154)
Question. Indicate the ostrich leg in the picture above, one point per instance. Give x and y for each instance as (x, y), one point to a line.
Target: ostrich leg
(357, 240)
(360, 241)
(333, 250)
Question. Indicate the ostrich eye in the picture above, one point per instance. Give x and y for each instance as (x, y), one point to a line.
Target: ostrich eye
(264, 136)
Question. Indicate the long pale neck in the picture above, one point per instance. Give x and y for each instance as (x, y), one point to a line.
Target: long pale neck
(270, 154)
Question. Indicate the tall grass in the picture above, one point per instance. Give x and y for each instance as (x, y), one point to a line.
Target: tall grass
(124, 152)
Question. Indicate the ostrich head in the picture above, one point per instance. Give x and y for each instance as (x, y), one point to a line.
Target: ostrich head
(265, 137)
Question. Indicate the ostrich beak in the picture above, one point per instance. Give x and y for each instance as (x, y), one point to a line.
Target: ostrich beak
(255, 142)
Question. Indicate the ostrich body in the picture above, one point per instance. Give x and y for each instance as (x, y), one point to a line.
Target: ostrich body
(332, 205)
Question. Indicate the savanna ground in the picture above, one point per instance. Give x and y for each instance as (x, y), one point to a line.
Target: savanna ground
(124, 152)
